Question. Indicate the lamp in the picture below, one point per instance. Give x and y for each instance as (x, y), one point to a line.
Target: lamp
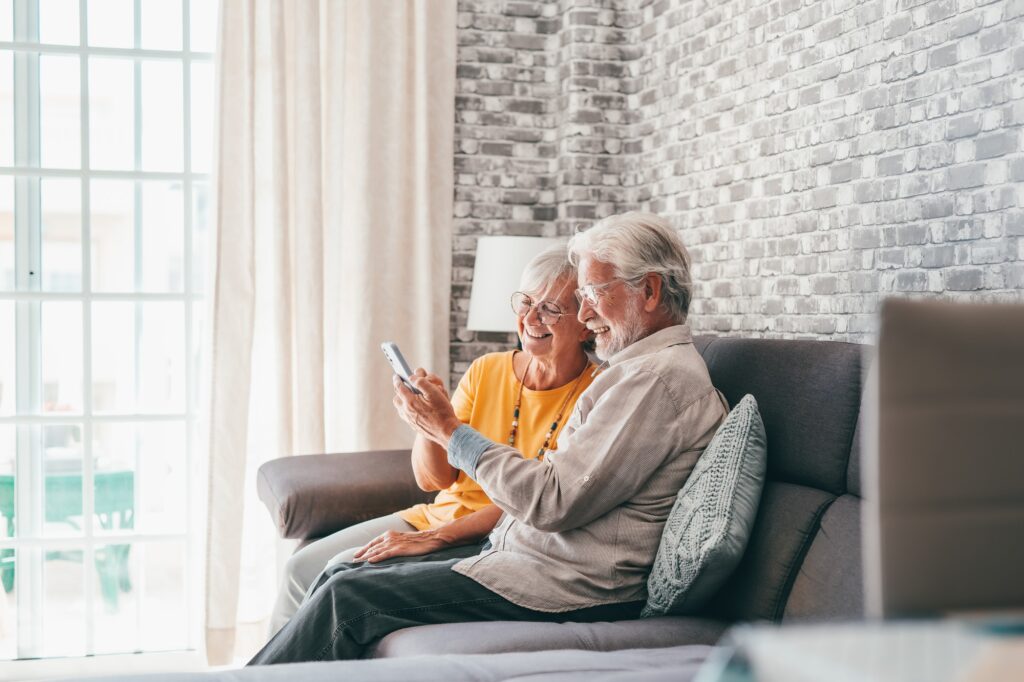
(499, 266)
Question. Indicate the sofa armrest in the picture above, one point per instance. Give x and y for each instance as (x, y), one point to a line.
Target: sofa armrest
(310, 496)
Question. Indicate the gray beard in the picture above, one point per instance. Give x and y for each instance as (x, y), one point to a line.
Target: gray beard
(631, 331)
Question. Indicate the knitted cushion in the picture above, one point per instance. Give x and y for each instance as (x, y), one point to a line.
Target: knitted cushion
(711, 520)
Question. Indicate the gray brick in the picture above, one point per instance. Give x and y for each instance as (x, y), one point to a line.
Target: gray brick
(968, 175)
(963, 126)
(998, 144)
(1017, 170)
(890, 165)
(943, 56)
(966, 279)
(937, 256)
(913, 280)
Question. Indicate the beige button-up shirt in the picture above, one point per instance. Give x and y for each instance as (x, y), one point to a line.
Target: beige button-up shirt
(582, 526)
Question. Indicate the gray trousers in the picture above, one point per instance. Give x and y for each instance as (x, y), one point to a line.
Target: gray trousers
(305, 565)
(352, 606)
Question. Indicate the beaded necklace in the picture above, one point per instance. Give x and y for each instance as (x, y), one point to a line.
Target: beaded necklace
(558, 418)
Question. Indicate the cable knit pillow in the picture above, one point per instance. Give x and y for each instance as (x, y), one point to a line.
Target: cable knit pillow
(710, 523)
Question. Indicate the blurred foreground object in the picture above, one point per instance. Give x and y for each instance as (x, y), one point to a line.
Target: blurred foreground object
(944, 470)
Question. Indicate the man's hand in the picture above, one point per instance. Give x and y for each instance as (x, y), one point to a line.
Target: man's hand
(430, 413)
(392, 544)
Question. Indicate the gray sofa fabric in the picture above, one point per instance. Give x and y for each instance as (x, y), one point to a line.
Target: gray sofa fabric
(312, 496)
(505, 636)
(676, 664)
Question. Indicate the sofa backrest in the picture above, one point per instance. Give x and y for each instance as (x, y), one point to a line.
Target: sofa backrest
(803, 560)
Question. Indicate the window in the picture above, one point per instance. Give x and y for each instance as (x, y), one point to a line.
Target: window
(106, 114)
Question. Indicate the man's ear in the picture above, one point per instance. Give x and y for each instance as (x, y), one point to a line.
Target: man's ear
(652, 292)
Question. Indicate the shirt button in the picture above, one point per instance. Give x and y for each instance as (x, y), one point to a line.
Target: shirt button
(586, 478)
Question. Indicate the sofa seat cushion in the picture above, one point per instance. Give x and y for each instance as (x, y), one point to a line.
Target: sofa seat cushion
(711, 520)
(506, 636)
(676, 664)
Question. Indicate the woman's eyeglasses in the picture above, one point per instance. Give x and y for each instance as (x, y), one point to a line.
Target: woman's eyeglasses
(547, 311)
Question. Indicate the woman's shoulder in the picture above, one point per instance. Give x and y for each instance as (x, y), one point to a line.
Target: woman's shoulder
(489, 363)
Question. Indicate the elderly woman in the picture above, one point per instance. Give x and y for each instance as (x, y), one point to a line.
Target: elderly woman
(522, 398)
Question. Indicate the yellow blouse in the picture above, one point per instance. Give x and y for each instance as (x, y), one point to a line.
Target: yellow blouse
(492, 379)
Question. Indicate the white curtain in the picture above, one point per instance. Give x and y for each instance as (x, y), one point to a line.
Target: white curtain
(333, 217)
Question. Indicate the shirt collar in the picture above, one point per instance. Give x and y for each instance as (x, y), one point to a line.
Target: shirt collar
(663, 338)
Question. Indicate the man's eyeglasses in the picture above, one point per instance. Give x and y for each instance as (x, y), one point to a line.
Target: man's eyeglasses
(547, 312)
(589, 292)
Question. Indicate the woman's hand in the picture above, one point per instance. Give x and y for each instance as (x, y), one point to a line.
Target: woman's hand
(431, 413)
(392, 544)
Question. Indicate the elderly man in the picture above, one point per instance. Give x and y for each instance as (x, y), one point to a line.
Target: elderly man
(581, 526)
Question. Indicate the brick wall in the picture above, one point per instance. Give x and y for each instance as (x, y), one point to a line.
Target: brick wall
(816, 155)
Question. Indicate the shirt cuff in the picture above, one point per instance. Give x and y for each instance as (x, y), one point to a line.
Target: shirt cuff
(465, 447)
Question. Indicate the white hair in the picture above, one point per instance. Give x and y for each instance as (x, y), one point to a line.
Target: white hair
(545, 269)
(637, 244)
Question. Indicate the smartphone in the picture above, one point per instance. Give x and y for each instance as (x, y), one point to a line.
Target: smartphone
(399, 364)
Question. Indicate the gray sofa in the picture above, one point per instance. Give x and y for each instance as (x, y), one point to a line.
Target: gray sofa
(803, 561)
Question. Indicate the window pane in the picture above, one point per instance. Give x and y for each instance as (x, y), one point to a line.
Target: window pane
(112, 235)
(7, 19)
(196, 347)
(59, 95)
(163, 237)
(7, 358)
(161, 24)
(119, 588)
(6, 106)
(203, 25)
(62, 356)
(202, 117)
(164, 602)
(8, 469)
(140, 477)
(162, 357)
(62, 234)
(58, 22)
(111, 23)
(63, 603)
(162, 131)
(8, 594)
(113, 357)
(7, 281)
(62, 458)
(157, 369)
(200, 234)
(115, 607)
(111, 114)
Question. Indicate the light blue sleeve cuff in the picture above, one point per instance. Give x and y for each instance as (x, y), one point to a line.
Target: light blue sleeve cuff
(465, 447)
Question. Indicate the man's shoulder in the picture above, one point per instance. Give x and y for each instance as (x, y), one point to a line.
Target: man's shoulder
(679, 367)
(674, 358)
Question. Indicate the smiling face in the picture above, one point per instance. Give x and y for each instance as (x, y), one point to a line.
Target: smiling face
(560, 340)
(618, 318)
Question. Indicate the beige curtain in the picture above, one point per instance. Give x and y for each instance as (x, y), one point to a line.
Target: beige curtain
(334, 203)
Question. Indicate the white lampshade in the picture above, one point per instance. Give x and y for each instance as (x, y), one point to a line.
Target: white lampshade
(499, 265)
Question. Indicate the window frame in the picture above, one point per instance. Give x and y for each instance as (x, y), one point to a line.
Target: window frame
(28, 420)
